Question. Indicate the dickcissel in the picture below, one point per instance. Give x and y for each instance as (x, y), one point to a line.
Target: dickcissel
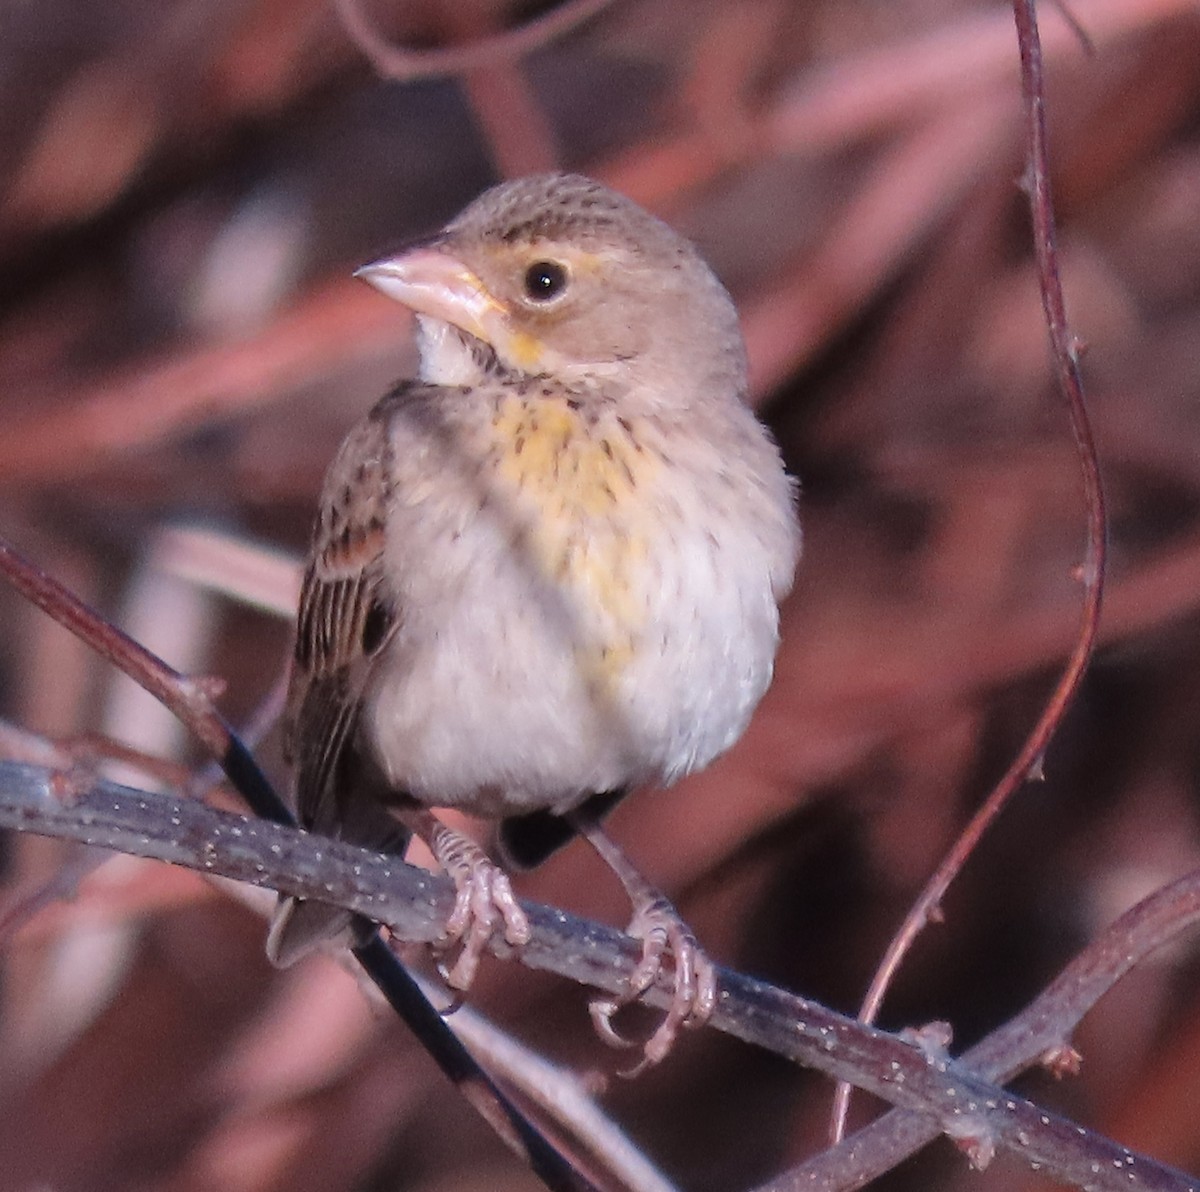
(546, 571)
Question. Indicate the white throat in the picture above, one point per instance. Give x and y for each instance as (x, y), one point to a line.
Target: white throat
(445, 358)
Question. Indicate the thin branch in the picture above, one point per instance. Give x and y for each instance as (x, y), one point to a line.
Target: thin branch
(1028, 762)
(977, 1114)
(1036, 1036)
(188, 698)
(191, 701)
(405, 65)
(1076, 26)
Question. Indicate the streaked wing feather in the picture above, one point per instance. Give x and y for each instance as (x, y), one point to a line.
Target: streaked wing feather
(347, 613)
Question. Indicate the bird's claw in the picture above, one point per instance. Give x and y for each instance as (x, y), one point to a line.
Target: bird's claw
(483, 899)
(658, 925)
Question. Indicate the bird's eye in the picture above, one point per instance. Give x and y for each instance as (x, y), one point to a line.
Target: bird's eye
(545, 280)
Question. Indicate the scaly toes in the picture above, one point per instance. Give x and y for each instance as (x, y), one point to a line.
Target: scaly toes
(694, 998)
(483, 897)
(517, 931)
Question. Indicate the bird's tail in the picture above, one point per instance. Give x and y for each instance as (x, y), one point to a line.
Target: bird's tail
(299, 925)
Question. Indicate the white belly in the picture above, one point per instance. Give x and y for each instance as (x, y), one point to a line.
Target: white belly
(551, 646)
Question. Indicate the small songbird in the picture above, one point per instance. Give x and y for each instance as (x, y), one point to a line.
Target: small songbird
(546, 571)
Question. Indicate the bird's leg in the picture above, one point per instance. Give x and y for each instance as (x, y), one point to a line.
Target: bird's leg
(483, 895)
(657, 924)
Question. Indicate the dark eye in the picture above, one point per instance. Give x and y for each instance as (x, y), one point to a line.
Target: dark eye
(545, 280)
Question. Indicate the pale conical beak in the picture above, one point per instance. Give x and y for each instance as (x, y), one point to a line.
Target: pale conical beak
(435, 283)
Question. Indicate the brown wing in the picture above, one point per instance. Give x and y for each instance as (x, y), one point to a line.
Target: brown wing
(347, 615)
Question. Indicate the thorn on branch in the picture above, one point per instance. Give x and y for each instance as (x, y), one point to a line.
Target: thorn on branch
(973, 1137)
(932, 1040)
(1062, 1061)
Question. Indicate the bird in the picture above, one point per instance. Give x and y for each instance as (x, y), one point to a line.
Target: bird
(545, 572)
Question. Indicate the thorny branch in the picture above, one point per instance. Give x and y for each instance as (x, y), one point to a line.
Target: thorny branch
(191, 701)
(1038, 1035)
(1028, 762)
(979, 1116)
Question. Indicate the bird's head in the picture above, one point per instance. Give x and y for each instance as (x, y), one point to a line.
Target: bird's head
(557, 275)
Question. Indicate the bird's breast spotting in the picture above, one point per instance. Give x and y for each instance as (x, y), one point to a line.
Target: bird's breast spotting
(579, 484)
(569, 615)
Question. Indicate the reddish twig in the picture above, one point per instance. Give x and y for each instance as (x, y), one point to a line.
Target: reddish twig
(1038, 1035)
(1065, 349)
(190, 699)
(518, 133)
(405, 65)
(264, 718)
(1075, 25)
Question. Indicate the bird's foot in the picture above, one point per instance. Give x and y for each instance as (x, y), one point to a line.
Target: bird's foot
(662, 932)
(483, 900)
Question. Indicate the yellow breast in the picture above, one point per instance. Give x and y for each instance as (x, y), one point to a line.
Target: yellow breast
(580, 482)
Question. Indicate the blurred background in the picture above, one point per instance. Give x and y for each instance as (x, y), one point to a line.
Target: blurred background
(185, 188)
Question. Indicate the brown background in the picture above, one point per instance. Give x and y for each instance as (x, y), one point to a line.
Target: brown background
(185, 186)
